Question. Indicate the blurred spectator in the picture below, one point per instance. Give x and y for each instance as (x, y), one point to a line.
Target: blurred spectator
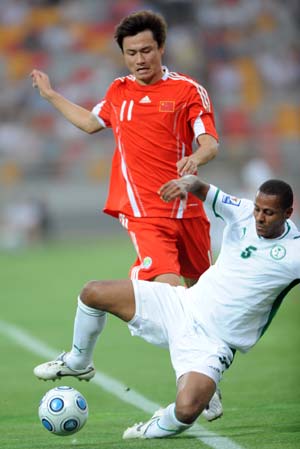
(24, 223)
(14, 12)
(254, 173)
(280, 68)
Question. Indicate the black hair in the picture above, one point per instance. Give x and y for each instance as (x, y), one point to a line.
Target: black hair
(280, 189)
(141, 21)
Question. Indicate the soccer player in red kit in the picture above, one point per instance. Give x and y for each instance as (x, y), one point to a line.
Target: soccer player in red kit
(155, 115)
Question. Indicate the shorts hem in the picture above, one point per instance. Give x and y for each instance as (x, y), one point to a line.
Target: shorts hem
(216, 377)
(148, 276)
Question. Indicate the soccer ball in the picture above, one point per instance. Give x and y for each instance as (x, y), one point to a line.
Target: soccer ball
(63, 411)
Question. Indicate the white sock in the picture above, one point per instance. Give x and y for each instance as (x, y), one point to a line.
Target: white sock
(88, 325)
(166, 425)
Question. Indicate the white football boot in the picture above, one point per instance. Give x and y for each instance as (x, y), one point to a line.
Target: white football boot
(57, 369)
(138, 430)
(214, 409)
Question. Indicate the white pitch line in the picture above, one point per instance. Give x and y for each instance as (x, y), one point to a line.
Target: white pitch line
(113, 386)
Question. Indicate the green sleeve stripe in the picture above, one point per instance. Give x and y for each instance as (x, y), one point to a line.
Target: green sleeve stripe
(214, 204)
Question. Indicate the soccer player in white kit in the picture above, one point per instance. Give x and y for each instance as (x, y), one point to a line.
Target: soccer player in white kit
(228, 309)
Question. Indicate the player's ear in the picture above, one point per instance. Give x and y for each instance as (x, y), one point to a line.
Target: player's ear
(288, 212)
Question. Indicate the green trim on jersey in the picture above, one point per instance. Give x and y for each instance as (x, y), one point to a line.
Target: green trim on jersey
(277, 303)
(287, 231)
(214, 203)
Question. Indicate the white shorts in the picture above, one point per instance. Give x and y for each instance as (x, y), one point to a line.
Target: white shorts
(163, 318)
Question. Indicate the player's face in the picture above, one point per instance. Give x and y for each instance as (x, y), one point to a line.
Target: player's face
(269, 215)
(143, 57)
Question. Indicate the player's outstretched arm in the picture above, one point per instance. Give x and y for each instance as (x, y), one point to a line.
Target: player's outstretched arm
(75, 114)
(207, 150)
(178, 188)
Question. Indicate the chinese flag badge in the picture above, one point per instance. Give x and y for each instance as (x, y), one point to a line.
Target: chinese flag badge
(166, 106)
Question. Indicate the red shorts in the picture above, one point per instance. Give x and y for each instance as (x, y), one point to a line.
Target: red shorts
(168, 245)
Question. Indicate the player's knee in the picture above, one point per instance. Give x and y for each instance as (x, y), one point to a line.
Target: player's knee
(91, 294)
(188, 409)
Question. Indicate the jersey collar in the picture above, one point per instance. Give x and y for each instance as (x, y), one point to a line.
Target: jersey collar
(287, 228)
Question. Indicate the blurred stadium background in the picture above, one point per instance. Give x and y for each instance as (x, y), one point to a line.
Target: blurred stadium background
(54, 178)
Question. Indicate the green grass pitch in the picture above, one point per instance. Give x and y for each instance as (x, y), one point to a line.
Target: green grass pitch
(39, 287)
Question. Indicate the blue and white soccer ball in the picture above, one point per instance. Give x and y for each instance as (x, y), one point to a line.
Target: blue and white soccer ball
(63, 411)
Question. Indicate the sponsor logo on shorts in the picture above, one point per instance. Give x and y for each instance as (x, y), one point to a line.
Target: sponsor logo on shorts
(232, 200)
(147, 262)
(215, 369)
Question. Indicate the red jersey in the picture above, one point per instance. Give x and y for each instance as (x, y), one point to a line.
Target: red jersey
(154, 127)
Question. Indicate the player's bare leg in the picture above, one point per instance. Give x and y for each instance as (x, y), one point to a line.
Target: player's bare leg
(194, 392)
(168, 278)
(115, 297)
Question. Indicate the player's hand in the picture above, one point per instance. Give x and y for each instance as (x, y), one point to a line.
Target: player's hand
(187, 165)
(173, 189)
(40, 80)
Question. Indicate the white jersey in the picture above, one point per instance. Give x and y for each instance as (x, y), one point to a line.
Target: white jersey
(237, 297)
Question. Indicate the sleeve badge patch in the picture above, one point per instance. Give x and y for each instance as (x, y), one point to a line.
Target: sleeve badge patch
(232, 200)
